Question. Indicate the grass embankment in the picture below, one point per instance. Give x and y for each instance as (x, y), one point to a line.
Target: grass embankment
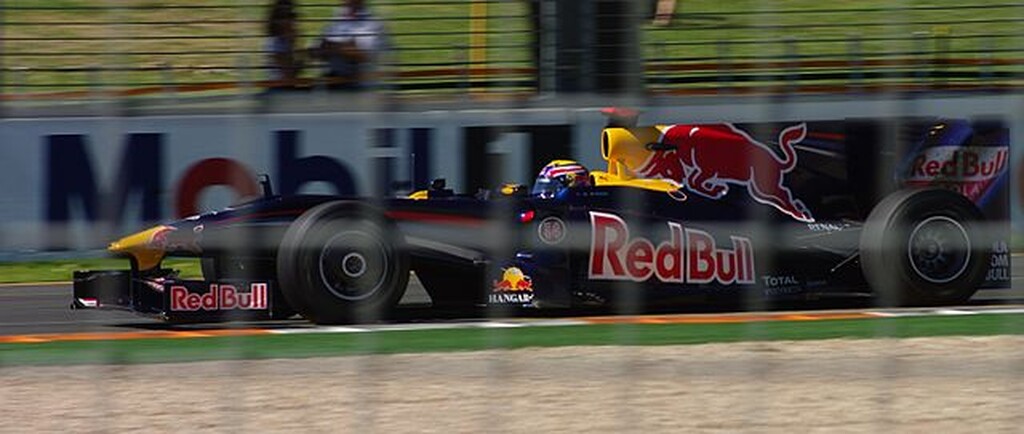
(61, 271)
(145, 43)
(389, 342)
(140, 42)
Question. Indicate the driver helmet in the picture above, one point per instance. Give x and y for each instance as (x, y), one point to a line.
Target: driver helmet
(560, 175)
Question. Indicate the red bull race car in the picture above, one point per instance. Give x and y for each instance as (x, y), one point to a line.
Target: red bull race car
(682, 213)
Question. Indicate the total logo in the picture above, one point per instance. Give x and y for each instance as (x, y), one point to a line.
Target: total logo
(220, 297)
(689, 255)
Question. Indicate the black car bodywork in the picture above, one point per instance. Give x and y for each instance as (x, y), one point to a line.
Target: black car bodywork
(834, 224)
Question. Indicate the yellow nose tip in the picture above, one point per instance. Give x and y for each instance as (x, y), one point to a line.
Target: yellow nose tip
(141, 247)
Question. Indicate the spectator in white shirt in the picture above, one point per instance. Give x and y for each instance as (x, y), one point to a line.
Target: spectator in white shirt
(350, 45)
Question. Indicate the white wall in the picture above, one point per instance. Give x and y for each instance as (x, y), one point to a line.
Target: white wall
(346, 137)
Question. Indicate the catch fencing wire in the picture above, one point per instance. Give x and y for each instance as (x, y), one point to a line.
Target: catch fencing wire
(501, 364)
(3, 66)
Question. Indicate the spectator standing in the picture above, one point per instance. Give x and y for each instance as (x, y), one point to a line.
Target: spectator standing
(664, 10)
(351, 45)
(285, 61)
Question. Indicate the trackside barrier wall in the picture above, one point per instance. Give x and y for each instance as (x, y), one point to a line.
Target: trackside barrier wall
(74, 183)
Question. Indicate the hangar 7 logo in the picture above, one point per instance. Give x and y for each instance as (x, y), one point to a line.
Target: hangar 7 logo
(705, 159)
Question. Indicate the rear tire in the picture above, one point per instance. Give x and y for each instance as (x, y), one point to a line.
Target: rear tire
(342, 262)
(924, 247)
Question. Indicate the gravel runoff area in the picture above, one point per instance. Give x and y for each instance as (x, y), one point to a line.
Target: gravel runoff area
(909, 385)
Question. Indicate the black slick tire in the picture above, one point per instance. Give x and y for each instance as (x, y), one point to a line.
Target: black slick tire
(924, 248)
(343, 262)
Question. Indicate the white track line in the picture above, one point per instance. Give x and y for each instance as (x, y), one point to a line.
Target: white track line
(429, 326)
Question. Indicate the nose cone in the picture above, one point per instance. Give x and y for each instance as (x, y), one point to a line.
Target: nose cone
(147, 247)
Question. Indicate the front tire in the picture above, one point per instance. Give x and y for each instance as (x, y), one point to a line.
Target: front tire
(342, 262)
(924, 247)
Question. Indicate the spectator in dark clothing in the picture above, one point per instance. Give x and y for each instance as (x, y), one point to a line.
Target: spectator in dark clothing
(351, 45)
(285, 61)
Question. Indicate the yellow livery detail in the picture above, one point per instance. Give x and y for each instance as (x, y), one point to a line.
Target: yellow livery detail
(603, 179)
(147, 247)
(625, 149)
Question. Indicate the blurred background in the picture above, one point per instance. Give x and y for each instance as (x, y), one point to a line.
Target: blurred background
(252, 81)
(514, 51)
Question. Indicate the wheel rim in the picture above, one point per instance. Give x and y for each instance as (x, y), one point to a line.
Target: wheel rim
(939, 249)
(353, 265)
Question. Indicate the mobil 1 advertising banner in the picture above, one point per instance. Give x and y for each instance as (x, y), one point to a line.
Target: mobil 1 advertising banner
(77, 183)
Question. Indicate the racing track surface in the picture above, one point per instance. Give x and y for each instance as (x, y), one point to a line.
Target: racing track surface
(32, 309)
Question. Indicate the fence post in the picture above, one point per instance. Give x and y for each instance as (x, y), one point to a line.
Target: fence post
(660, 54)
(110, 74)
(548, 49)
(18, 79)
(792, 66)
(94, 82)
(725, 78)
(4, 88)
(855, 57)
(939, 54)
(167, 80)
(477, 38)
(462, 59)
(589, 73)
(244, 79)
(986, 73)
(920, 73)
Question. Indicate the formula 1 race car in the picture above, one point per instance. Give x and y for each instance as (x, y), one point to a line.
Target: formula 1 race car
(682, 213)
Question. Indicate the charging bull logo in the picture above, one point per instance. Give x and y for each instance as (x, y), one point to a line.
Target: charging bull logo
(689, 256)
(159, 238)
(513, 280)
(515, 287)
(705, 159)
